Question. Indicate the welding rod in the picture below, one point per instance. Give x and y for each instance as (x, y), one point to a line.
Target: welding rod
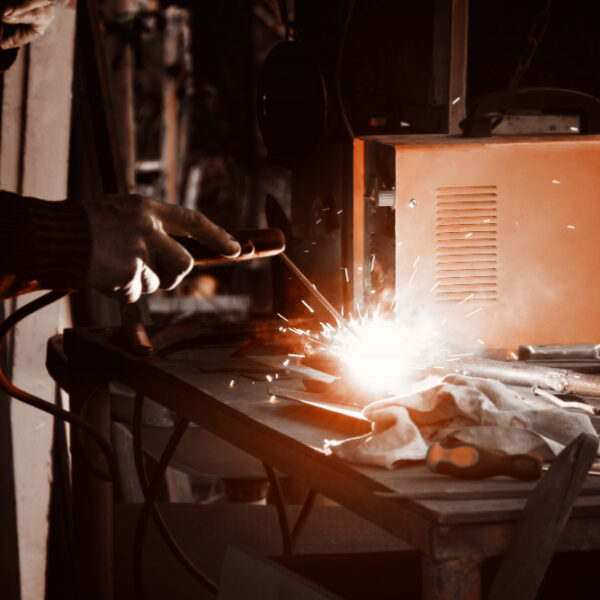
(562, 381)
(312, 288)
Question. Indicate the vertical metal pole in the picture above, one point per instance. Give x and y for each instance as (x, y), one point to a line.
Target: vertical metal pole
(457, 88)
(358, 223)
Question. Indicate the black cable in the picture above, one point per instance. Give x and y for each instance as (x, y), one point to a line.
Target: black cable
(27, 398)
(81, 425)
(534, 39)
(151, 507)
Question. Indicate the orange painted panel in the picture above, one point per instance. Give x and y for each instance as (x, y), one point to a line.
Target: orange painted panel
(499, 237)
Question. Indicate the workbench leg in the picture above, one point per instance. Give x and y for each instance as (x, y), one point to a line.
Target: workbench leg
(92, 497)
(452, 579)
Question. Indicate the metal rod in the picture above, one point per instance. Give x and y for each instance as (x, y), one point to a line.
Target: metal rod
(562, 381)
(569, 352)
(306, 282)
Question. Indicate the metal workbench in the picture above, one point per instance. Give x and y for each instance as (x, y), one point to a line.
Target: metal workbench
(455, 524)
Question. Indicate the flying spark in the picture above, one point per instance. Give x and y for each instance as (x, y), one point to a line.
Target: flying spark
(312, 310)
(412, 276)
(473, 312)
(282, 317)
(382, 352)
(232, 383)
(269, 378)
(456, 100)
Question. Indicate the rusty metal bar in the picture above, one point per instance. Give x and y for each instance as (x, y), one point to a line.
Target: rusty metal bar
(562, 381)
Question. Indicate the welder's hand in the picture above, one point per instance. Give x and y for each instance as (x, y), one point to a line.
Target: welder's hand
(132, 253)
(28, 20)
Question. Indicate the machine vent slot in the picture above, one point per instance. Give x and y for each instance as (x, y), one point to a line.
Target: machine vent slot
(466, 244)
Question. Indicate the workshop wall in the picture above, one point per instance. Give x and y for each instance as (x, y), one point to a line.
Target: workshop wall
(33, 162)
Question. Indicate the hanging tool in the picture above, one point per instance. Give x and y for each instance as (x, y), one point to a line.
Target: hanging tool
(470, 461)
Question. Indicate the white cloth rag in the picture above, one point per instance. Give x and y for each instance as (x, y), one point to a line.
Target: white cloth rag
(481, 411)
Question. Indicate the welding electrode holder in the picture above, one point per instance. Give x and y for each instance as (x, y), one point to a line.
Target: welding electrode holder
(255, 243)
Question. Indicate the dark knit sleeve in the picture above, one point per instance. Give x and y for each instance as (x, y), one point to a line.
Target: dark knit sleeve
(43, 245)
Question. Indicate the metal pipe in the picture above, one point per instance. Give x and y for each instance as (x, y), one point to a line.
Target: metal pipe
(560, 352)
(562, 381)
